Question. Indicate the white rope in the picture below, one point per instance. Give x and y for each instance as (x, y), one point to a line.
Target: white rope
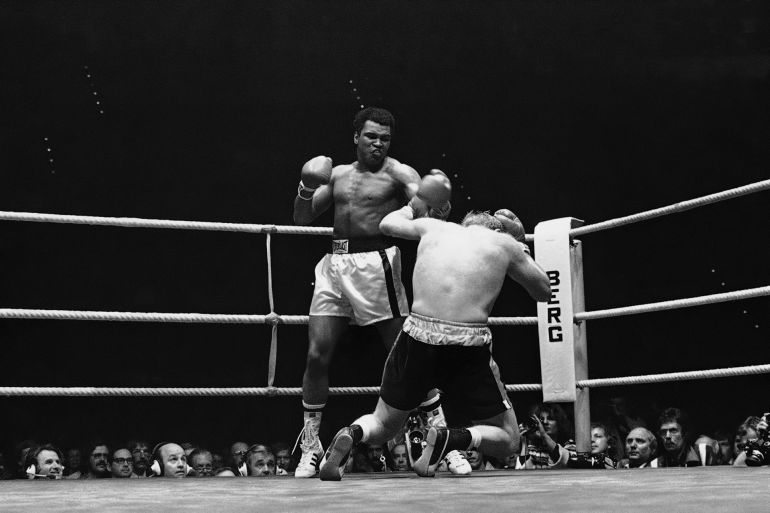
(674, 304)
(297, 391)
(675, 376)
(672, 209)
(85, 315)
(135, 222)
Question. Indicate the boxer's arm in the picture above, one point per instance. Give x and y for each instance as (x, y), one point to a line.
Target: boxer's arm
(401, 223)
(526, 272)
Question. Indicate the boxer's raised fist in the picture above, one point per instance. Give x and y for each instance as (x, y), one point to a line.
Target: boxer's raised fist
(316, 172)
(435, 189)
(511, 224)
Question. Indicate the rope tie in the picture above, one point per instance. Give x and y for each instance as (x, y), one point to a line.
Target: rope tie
(271, 318)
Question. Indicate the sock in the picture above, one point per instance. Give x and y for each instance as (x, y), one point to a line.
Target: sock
(459, 439)
(475, 438)
(357, 432)
(313, 410)
(432, 407)
(366, 424)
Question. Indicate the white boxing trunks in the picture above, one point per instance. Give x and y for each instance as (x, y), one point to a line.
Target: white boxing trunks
(357, 281)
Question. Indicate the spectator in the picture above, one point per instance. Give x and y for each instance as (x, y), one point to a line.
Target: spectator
(376, 458)
(259, 462)
(674, 432)
(401, 458)
(283, 457)
(726, 441)
(477, 460)
(546, 441)
(748, 431)
(218, 460)
(622, 418)
(44, 462)
(202, 463)
(188, 447)
(224, 472)
(169, 461)
(236, 452)
(4, 471)
(142, 455)
(641, 447)
(602, 453)
(73, 464)
(22, 448)
(708, 451)
(122, 465)
(98, 461)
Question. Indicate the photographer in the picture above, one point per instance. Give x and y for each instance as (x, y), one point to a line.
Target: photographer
(546, 438)
(753, 442)
(602, 455)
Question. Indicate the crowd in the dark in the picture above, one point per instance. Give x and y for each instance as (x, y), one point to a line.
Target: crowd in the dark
(621, 441)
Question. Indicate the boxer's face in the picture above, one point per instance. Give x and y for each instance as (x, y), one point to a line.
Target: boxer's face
(672, 436)
(372, 143)
(98, 460)
(638, 447)
(49, 465)
(122, 463)
(400, 459)
(599, 441)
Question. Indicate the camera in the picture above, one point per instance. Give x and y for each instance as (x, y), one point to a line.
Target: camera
(758, 450)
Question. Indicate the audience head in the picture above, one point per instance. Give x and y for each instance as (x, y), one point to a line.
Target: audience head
(475, 458)
(170, 460)
(202, 462)
(141, 452)
(641, 446)
(122, 463)
(400, 457)
(725, 439)
(600, 440)
(555, 421)
(22, 448)
(283, 458)
(99, 455)
(674, 428)
(236, 453)
(258, 461)
(44, 462)
(73, 461)
(224, 472)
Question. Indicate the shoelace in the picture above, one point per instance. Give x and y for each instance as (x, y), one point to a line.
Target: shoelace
(454, 458)
(309, 439)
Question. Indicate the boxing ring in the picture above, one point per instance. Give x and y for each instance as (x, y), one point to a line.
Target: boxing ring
(696, 488)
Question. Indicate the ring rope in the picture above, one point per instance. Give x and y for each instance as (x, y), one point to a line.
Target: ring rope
(275, 319)
(296, 391)
(672, 209)
(674, 304)
(135, 222)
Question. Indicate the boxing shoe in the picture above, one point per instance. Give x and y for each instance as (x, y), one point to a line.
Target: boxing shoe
(434, 451)
(336, 457)
(311, 448)
(457, 464)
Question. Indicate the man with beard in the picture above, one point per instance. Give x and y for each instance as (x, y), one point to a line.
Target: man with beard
(141, 453)
(98, 461)
(359, 280)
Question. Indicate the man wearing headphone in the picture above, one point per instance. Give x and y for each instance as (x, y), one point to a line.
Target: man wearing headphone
(44, 462)
(169, 460)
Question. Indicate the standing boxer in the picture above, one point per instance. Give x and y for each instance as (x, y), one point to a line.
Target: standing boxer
(359, 280)
(445, 342)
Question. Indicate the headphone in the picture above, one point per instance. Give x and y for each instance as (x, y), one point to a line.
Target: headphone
(32, 470)
(243, 468)
(157, 465)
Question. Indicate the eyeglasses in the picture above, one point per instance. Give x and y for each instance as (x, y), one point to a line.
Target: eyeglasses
(121, 461)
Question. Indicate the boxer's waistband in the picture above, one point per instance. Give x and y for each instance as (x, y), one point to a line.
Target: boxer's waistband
(360, 244)
(439, 332)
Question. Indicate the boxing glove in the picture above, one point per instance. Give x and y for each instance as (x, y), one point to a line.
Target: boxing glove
(316, 172)
(511, 224)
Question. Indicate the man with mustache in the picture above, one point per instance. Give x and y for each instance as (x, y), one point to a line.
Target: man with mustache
(674, 433)
(359, 280)
(98, 461)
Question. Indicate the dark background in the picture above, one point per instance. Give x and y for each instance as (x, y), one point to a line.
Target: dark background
(207, 110)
